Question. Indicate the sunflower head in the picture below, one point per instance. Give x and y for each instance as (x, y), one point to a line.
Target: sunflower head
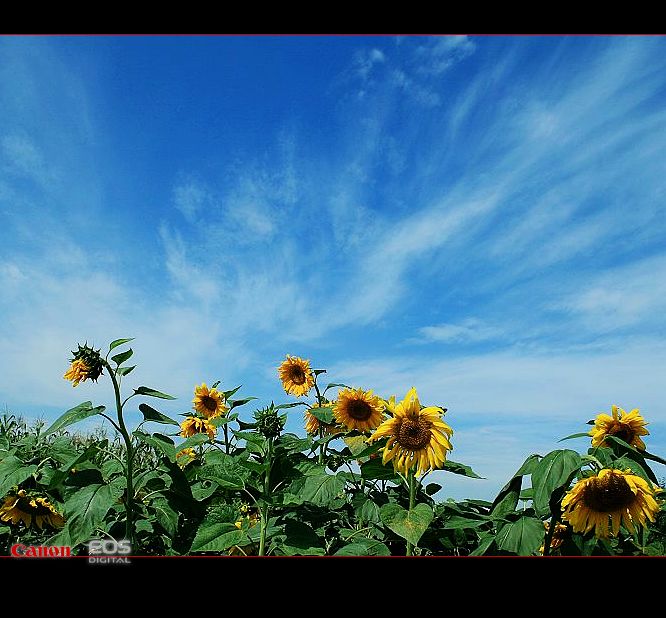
(628, 427)
(417, 437)
(313, 425)
(31, 510)
(193, 425)
(296, 375)
(268, 422)
(611, 495)
(209, 402)
(87, 364)
(558, 537)
(358, 409)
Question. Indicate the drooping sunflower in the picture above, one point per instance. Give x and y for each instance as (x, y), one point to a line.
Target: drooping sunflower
(30, 510)
(558, 535)
(417, 437)
(193, 425)
(358, 409)
(86, 364)
(185, 456)
(618, 495)
(313, 425)
(296, 375)
(628, 427)
(209, 402)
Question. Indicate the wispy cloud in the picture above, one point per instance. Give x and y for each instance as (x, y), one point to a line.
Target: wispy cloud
(470, 330)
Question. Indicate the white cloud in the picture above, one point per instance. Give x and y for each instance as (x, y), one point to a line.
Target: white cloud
(469, 330)
(440, 53)
(190, 198)
(21, 157)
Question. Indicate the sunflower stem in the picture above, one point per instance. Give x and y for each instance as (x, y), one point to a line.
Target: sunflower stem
(412, 501)
(129, 454)
(265, 510)
(226, 438)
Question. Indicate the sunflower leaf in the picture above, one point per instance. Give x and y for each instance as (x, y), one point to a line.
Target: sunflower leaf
(217, 537)
(575, 435)
(159, 442)
(458, 468)
(74, 415)
(151, 392)
(123, 371)
(410, 525)
(229, 393)
(334, 385)
(554, 471)
(523, 536)
(119, 359)
(13, 472)
(117, 342)
(239, 402)
(323, 414)
(151, 414)
(364, 547)
(374, 469)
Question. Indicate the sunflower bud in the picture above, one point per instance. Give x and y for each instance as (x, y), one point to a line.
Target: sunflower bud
(269, 423)
(86, 364)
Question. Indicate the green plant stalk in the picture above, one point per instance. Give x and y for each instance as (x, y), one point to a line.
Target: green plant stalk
(129, 495)
(265, 511)
(412, 501)
(226, 438)
(320, 401)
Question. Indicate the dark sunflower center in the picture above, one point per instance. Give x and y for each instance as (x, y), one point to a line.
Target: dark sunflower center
(624, 433)
(414, 434)
(608, 494)
(359, 410)
(209, 403)
(297, 375)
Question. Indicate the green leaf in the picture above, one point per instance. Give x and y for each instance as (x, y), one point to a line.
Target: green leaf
(486, 541)
(283, 406)
(458, 468)
(61, 474)
(123, 371)
(356, 444)
(319, 489)
(165, 515)
(623, 463)
(375, 469)
(369, 512)
(74, 415)
(554, 471)
(217, 537)
(151, 414)
(117, 342)
(645, 454)
(119, 359)
(364, 547)
(228, 473)
(239, 402)
(523, 536)
(507, 499)
(458, 522)
(432, 488)
(86, 509)
(229, 393)
(13, 472)
(409, 525)
(323, 414)
(195, 440)
(318, 371)
(150, 392)
(334, 385)
(301, 540)
(575, 435)
(159, 442)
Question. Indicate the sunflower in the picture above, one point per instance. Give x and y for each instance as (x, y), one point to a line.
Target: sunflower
(416, 437)
(558, 536)
(193, 425)
(628, 427)
(29, 510)
(77, 372)
(296, 375)
(619, 495)
(358, 409)
(185, 456)
(209, 401)
(313, 425)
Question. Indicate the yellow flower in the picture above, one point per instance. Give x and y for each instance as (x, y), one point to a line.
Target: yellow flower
(618, 495)
(185, 456)
(358, 409)
(558, 536)
(77, 372)
(252, 518)
(209, 401)
(193, 425)
(296, 375)
(416, 437)
(313, 425)
(628, 427)
(30, 510)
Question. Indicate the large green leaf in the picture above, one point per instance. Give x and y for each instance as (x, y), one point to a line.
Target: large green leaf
(217, 537)
(151, 392)
(523, 536)
(375, 469)
(460, 522)
(301, 540)
(319, 489)
(356, 444)
(13, 472)
(151, 414)
(195, 440)
(364, 547)
(86, 508)
(117, 342)
(323, 414)
(119, 359)
(554, 471)
(409, 525)
(458, 468)
(61, 474)
(228, 473)
(74, 415)
(165, 515)
(159, 442)
(485, 541)
(507, 499)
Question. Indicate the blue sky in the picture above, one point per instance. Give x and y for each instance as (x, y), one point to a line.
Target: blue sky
(480, 217)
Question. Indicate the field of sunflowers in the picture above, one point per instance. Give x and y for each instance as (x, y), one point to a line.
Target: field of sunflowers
(354, 485)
